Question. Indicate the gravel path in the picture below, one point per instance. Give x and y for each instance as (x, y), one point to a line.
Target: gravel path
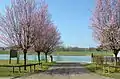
(65, 71)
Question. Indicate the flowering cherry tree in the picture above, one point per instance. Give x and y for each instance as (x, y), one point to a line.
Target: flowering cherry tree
(17, 25)
(106, 25)
(47, 34)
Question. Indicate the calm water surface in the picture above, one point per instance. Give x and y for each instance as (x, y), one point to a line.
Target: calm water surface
(86, 59)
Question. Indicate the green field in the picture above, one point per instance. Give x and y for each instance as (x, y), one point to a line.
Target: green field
(82, 53)
(5, 71)
(4, 52)
(69, 53)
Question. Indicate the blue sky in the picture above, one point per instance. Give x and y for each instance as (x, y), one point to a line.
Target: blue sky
(72, 18)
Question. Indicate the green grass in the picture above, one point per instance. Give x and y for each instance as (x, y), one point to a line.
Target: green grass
(92, 68)
(6, 72)
(4, 52)
(82, 53)
(69, 53)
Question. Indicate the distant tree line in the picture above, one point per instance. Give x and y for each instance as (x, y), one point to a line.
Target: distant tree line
(77, 49)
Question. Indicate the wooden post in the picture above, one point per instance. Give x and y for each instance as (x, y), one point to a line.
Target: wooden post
(19, 69)
(30, 69)
(41, 64)
(103, 69)
(34, 67)
(108, 69)
(13, 69)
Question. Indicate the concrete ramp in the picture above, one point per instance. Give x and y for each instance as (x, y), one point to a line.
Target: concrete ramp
(65, 71)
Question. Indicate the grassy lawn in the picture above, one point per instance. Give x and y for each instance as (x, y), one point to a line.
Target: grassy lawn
(5, 72)
(69, 53)
(4, 52)
(98, 70)
(82, 53)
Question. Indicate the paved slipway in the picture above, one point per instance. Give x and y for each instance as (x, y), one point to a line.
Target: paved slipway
(65, 71)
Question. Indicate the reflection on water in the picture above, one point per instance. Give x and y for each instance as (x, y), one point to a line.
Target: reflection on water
(86, 59)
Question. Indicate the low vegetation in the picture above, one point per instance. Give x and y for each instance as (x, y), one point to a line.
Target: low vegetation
(105, 66)
(70, 53)
(5, 72)
(92, 68)
(82, 53)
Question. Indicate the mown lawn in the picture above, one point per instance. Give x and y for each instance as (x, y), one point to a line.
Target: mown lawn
(5, 72)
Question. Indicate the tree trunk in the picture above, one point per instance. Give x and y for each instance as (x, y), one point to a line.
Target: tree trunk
(51, 58)
(46, 57)
(116, 59)
(115, 53)
(18, 58)
(38, 56)
(25, 52)
(10, 60)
